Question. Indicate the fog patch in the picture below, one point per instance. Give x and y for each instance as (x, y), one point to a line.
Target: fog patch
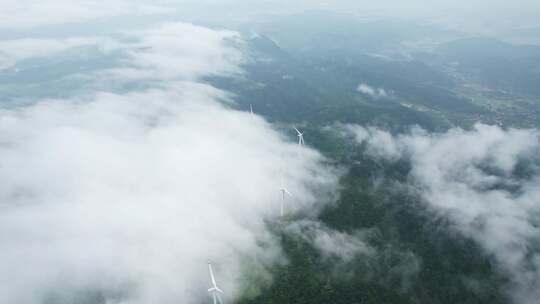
(485, 181)
(333, 245)
(124, 198)
(372, 92)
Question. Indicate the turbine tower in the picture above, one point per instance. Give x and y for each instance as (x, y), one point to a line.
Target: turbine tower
(300, 137)
(251, 109)
(214, 290)
(284, 192)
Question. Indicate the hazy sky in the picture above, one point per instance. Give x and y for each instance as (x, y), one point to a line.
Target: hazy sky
(472, 14)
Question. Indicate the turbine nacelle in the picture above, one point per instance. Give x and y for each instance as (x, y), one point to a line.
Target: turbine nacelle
(284, 192)
(215, 289)
(300, 137)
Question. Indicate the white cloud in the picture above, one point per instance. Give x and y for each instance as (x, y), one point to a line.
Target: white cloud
(130, 194)
(380, 143)
(332, 244)
(371, 91)
(183, 51)
(165, 52)
(468, 177)
(138, 188)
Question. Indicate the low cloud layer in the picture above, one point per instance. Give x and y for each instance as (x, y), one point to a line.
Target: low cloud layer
(371, 91)
(162, 53)
(486, 181)
(127, 196)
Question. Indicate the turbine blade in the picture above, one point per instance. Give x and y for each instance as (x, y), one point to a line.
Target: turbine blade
(299, 133)
(212, 274)
(287, 191)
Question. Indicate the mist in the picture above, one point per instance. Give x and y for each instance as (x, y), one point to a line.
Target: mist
(485, 181)
(130, 156)
(473, 16)
(128, 195)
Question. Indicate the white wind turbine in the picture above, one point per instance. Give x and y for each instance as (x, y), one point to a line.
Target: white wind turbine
(215, 290)
(284, 192)
(251, 109)
(300, 137)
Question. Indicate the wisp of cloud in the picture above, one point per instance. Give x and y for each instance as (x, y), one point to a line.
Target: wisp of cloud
(485, 181)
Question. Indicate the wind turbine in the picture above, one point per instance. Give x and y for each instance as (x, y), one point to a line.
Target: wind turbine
(300, 137)
(215, 290)
(284, 192)
(251, 109)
